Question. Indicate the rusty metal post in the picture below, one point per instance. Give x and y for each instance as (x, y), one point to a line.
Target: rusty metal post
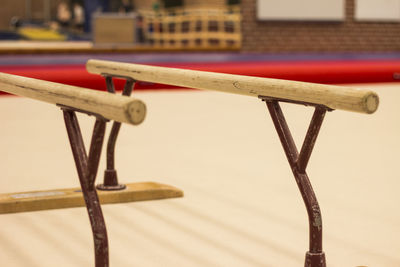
(87, 167)
(311, 137)
(110, 174)
(315, 257)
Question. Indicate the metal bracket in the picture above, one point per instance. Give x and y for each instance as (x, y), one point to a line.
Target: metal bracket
(298, 162)
(110, 174)
(87, 166)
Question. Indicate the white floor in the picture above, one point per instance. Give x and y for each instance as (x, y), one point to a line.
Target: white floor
(241, 204)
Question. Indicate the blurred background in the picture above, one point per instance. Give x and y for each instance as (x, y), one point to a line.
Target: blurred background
(241, 204)
(247, 25)
(329, 41)
(124, 22)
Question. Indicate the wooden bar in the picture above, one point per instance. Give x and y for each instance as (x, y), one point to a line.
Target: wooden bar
(113, 107)
(335, 97)
(72, 197)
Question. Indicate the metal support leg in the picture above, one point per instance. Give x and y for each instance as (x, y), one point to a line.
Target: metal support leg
(87, 167)
(315, 257)
(110, 174)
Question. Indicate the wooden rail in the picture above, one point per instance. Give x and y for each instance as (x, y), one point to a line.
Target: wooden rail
(114, 107)
(334, 97)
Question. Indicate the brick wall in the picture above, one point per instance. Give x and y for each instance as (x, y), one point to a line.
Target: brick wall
(303, 36)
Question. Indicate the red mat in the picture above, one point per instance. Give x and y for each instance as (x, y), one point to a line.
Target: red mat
(326, 72)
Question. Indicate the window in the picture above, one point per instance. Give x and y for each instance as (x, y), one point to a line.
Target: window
(325, 10)
(377, 10)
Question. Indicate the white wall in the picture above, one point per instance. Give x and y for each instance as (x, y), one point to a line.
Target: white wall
(301, 9)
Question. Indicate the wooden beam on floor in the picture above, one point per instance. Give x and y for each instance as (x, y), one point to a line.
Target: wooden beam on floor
(72, 197)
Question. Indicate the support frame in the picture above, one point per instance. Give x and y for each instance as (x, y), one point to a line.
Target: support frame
(87, 167)
(315, 257)
(110, 174)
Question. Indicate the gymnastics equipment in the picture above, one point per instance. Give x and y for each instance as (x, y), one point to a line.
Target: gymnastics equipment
(104, 107)
(334, 97)
(122, 109)
(273, 91)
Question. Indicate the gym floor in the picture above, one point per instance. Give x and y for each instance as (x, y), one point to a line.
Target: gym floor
(241, 205)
